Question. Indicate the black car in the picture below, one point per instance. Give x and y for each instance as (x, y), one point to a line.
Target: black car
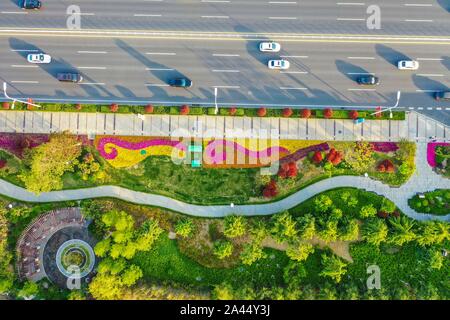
(69, 77)
(180, 82)
(31, 4)
(368, 80)
(442, 95)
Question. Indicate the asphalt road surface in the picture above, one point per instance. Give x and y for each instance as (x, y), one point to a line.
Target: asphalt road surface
(421, 17)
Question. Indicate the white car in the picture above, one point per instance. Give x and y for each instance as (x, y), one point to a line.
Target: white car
(278, 64)
(408, 65)
(269, 47)
(39, 58)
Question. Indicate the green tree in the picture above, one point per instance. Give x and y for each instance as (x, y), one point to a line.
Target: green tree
(234, 226)
(367, 211)
(328, 292)
(405, 169)
(375, 231)
(102, 247)
(283, 227)
(76, 295)
(433, 232)
(131, 275)
(300, 251)
(306, 226)
(322, 203)
(294, 273)
(333, 267)
(350, 231)
(251, 253)
(47, 163)
(6, 276)
(329, 230)
(223, 291)
(387, 206)
(402, 230)
(185, 228)
(352, 202)
(436, 259)
(29, 289)
(106, 286)
(223, 249)
(149, 232)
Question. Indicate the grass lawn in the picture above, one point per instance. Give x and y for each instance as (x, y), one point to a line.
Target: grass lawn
(435, 202)
(165, 263)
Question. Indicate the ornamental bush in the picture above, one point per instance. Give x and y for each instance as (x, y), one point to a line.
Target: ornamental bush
(233, 111)
(353, 114)
(184, 109)
(149, 108)
(114, 107)
(270, 190)
(328, 113)
(306, 113)
(262, 112)
(287, 112)
(6, 105)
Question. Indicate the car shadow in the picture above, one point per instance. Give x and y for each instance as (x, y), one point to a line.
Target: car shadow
(426, 83)
(390, 55)
(445, 4)
(446, 62)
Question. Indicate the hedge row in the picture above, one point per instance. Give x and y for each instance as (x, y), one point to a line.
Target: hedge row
(197, 110)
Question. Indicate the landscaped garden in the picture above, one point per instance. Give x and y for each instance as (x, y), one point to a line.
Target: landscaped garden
(438, 157)
(230, 172)
(320, 249)
(434, 202)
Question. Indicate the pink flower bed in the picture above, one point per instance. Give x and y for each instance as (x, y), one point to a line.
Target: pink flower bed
(301, 153)
(431, 152)
(112, 154)
(384, 146)
(16, 143)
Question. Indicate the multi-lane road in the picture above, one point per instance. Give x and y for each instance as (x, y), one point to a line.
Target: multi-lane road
(215, 43)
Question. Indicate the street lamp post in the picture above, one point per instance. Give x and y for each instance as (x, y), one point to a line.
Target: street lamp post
(216, 110)
(390, 108)
(14, 99)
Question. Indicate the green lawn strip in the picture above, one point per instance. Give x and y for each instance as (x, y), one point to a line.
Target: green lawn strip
(198, 110)
(435, 202)
(165, 263)
(398, 265)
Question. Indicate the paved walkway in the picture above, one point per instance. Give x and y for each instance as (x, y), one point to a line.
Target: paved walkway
(416, 127)
(423, 180)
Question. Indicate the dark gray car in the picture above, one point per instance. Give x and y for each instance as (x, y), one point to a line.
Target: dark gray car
(69, 77)
(180, 82)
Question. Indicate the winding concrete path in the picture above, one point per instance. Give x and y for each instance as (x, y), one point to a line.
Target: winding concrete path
(423, 180)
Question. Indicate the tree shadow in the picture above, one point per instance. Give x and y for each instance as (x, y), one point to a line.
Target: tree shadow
(351, 71)
(445, 4)
(425, 83)
(390, 55)
(446, 62)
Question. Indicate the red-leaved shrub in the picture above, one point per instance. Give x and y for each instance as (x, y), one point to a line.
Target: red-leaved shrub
(287, 112)
(262, 112)
(233, 111)
(353, 114)
(2, 163)
(386, 166)
(317, 157)
(114, 107)
(288, 170)
(184, 109)
(328, 113)
(6, 105)
(149, 108)
(78, 106)
(270, 190)
(306, 113)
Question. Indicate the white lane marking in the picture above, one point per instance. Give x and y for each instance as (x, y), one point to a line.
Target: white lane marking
(23, 81)
(291, 88)
(361, 73)
(300, 57)
(420, 108)
(216, 1)
(93, 83)
(420, 90)
(361, 58)
(351, 4)
(447, 108)
(161, 53)
(93, 52)
(84, 14)
(429, 59)
(14, 12)
(411, 108)
(417, 5)
(438, 108)
(225, 55)
(93, 68)
(354, 89)
(230, 71)
(146, 15)
(418, 20)
(429, 108)
(159, 69)
(283, 2)
(430, 75)
(156, 85)
(283, 18)
(23, 66)
(24, 50)
(350, 19)
(295, 72)
(226, 87)
(216, 17)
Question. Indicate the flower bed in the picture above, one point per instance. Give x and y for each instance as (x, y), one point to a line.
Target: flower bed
(385, 147)
(431, 152)
(16, 143)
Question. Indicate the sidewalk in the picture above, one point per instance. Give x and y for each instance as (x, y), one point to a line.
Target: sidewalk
(416, 127)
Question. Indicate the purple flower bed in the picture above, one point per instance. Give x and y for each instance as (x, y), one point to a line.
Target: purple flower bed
(301, 153)
(384, 146)
(431, 152)
(16, 143)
